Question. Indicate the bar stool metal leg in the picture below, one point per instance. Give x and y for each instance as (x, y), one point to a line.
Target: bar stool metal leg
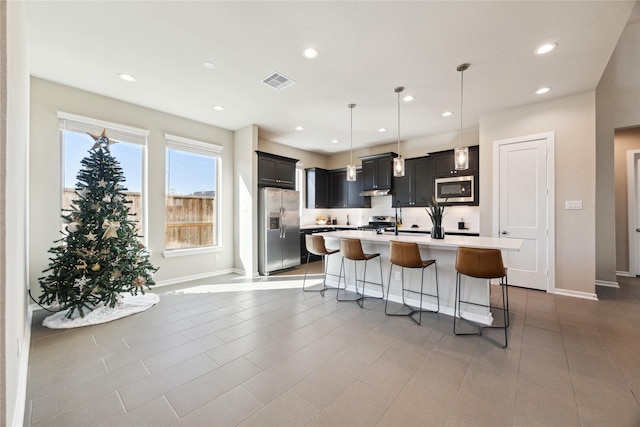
(405, 254)
(351, 249)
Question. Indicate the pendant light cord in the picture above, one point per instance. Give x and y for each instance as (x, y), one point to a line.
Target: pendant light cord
(398, 123)
(351, 107)
(398, 90)
(461, 104)
(462, 68)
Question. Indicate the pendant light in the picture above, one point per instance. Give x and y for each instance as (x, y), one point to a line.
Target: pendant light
(461, 154)
(398, 162)
(351, 168)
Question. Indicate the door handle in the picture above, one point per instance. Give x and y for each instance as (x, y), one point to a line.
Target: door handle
(504, 232)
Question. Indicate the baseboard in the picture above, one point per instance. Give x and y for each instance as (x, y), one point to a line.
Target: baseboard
(182, 279)
(23, 375)
(623, 274)
(607, 284)
(576, 294)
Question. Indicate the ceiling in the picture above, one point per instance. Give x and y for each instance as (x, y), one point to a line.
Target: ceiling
(366, 49)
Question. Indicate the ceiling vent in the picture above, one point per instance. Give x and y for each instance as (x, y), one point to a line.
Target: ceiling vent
(278, 81)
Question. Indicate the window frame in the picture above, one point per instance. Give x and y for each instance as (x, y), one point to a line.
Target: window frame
(128, 134)
(209, 149)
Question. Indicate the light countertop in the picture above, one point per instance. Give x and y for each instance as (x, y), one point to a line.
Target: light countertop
(449, 242)
(337, 226)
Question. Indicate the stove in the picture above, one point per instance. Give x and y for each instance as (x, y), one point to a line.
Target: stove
(379, 222)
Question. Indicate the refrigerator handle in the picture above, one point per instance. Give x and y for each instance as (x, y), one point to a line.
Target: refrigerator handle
(281, 222)
(284, 223)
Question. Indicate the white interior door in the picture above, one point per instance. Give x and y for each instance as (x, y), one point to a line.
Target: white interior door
(523, 208)
(633, 198)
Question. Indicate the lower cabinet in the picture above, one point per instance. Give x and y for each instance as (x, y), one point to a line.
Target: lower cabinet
(303, 244)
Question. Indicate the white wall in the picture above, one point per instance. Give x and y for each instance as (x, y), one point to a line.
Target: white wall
(617, 106)
(245, 190)
(15, 142)
(572, 119)
(47, 98)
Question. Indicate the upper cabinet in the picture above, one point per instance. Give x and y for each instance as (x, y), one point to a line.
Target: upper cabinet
(276, 171)
(443, 163)
(376, 171)
(317, 188)
(346, 194)
(415, 188)
(330, 189)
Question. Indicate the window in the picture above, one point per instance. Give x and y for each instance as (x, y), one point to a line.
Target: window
(129, 151)
(192, 197)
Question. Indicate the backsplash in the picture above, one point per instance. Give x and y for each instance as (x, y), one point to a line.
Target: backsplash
(410, 216)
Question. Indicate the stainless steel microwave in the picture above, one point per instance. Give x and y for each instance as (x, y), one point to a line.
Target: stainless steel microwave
(458, 189)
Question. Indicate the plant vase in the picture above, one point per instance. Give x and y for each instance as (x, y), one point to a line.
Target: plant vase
(436, 213)
(437, 232)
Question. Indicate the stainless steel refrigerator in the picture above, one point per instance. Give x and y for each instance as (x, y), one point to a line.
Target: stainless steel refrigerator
(278, 230)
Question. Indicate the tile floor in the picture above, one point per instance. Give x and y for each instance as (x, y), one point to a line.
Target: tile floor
(231, 351)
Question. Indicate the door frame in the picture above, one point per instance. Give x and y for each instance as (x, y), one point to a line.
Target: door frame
(632, 202)
(550, 214)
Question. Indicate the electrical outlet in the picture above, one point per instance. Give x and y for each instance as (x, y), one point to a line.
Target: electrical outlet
(573, 204)
(398, 275)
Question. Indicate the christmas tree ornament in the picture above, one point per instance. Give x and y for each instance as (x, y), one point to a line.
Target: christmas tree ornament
(95, 267)
(82, 264)
(91, 237)
(111, 228)
(72, 227)
(101, 141)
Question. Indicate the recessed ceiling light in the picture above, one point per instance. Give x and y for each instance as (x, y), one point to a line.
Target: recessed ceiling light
(334, 141)
(299, 128)
(447, 114)
(310, 52)
(218, 107)
(546, 48)
(408, 98)
(127, 77)
(543, 90)
(382, 130)
(208, 65)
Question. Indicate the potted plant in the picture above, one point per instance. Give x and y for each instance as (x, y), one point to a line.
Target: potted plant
(436, 213)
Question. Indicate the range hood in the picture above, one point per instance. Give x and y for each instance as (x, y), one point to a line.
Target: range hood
(374, 193)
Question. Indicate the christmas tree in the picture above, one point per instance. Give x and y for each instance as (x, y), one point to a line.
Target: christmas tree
(99, 255)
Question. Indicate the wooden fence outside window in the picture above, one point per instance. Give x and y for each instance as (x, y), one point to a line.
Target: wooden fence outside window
(189, 220)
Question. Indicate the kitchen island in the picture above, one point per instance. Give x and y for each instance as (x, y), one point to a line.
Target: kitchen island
(442, 250)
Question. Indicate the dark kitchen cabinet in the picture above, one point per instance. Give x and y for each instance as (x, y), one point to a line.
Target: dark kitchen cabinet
(338, 186)
(303, 243)
(317, 188)
(346, 194)
(443, 163)
(376, 171)
(415, 188)
(276, 171)
(354, 188)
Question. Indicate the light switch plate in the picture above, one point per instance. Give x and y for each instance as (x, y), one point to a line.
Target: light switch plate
(573, 204)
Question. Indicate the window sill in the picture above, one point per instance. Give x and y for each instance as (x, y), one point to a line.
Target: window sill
(172, 253)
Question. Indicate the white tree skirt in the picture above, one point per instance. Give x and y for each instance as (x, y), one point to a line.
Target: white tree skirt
(130, 305)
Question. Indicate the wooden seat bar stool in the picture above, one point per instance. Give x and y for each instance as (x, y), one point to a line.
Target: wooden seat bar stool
(315, 245)
(407, 255)
(482, 264)
(351, 249)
